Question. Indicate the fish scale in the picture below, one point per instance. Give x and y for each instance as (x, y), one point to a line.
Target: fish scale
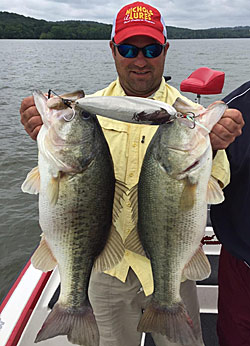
(68, 149)
(163, 232)
(173, 193)
(77, 239)
(75, 181)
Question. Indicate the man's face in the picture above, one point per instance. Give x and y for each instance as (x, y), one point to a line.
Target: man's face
(139, 76)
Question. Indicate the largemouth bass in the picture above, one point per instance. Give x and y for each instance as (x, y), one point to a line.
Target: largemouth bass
(173, 192)
(75, 181)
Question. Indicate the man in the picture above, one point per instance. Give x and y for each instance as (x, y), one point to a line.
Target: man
(231, 223)
(139, 47)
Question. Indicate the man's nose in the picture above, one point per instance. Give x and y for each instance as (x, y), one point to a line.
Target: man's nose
(140, 60)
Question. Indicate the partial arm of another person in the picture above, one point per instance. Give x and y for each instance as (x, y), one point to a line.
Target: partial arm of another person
(222, 135)
(227, 129)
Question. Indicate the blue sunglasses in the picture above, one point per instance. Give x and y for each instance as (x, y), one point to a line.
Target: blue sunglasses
(131, 51)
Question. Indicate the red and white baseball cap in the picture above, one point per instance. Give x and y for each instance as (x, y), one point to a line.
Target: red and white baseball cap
(138, 18)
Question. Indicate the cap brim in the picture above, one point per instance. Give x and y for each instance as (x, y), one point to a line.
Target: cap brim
(139, 30)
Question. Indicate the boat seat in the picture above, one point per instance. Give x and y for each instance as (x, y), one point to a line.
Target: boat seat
(204, 81)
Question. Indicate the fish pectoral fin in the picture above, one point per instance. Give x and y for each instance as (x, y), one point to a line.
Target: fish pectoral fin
(53, 188)
(43, 258)
(198, 268)
(133, 243)
(188, 196)
(79, 326)
(215, 194)
(112, 253)
(32, 182)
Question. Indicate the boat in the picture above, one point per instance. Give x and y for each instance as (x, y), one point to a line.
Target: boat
(32, 296)
(34, 293)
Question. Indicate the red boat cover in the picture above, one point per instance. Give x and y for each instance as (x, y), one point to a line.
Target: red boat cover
(204, 81)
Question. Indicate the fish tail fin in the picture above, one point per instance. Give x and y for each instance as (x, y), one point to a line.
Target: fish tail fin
(173, 322)
(43, 258)
(79, 326)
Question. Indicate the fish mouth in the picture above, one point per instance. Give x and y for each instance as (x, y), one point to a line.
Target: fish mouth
(198, 162)
(191, 167)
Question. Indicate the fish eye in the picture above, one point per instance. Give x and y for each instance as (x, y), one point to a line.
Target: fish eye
(85, 115)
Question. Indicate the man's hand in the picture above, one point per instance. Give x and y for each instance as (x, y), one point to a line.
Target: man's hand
(30, 118)
(227, 129)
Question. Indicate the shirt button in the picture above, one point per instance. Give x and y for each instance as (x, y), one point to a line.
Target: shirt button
(134, 145)
(128, 204)
(131, 174)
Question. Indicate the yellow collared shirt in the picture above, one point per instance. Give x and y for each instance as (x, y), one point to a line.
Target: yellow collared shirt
(128, 144)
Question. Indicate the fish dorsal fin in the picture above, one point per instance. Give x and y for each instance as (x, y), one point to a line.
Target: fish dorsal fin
(120, 190)
(32, 182)
(215, 194)
(133, 243)
(133, 197)
(188, 196)
(112, 253)
(43, 258)
(53, 189)
(198, 268)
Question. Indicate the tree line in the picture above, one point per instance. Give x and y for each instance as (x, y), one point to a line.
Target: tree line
(15, 26)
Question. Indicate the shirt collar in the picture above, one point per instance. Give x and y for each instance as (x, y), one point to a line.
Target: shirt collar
(159, 94)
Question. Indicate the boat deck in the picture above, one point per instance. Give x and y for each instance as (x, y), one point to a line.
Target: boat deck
(29, 314)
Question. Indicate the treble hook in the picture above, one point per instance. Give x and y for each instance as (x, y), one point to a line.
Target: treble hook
(67, 102)
(189, 116)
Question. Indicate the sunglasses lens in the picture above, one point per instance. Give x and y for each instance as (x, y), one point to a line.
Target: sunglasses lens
(128, 51)
(152, 51)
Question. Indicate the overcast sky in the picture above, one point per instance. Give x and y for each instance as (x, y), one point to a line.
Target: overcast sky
(193, 14)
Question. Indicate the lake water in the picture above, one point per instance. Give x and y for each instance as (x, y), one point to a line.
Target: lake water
(65, 66)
